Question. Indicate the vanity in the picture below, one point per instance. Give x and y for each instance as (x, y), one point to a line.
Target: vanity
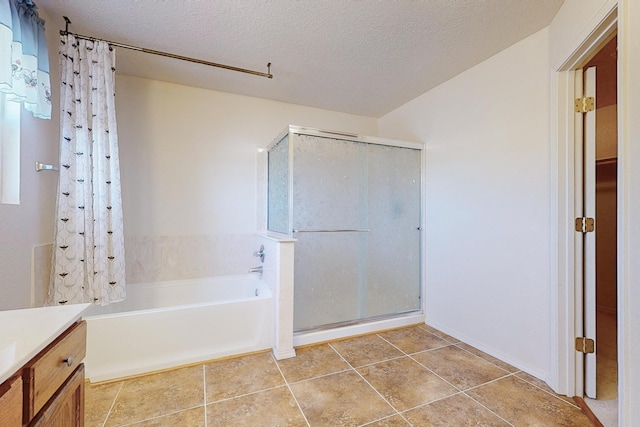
(41, 369)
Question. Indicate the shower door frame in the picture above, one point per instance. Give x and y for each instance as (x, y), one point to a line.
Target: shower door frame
(359, 326)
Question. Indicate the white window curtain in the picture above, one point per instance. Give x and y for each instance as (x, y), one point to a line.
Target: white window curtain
(24, 57)
(88, 259)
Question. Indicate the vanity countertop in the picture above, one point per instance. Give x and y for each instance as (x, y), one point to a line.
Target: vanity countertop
(24, 333)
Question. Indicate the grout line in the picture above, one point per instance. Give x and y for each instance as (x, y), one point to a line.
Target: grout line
(559, 397)
(368, 383)
(434, 373)
(204, 392)
(155, 417)
(246, 394)
(392, 344)
(291, 391)
(489, 409)
(489, 361)
(425, 327)
(321, 376)
(509, 374)
(113, 404)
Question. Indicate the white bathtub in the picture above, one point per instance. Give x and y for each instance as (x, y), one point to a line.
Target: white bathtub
(167, 324)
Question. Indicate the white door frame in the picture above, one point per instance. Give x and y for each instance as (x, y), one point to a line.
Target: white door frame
(566, 380)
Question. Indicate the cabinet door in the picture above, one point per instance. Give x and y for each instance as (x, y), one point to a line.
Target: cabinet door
(11, 403)
(66, 407)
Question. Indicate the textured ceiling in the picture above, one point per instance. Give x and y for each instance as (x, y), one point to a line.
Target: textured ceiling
(355, 56)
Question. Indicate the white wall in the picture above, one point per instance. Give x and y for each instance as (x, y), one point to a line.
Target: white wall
(30, 223)
(487, 251)
(188, 163)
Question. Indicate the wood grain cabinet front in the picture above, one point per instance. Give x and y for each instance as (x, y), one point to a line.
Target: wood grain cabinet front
(49, 389)
(11, 403)
(54, 366)
(66, 408)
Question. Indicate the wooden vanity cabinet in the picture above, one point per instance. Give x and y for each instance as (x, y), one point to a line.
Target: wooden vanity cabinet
(49, 389)
(11, 402)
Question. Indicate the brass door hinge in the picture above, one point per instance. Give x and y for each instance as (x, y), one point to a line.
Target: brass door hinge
(585, 104)
(585, 345)
(585, 225)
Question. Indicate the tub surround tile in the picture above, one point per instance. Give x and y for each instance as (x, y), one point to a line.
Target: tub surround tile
(405, 384)
(365, 350)
(160, 394)
(413, 339)
(193, 417)
(152, 259)
(461, 368)
(342, 399)
(499, 363)
(458, 410)
(523, 404)
(311, 362)
(273, 407)
(98, 401)
(243, 375)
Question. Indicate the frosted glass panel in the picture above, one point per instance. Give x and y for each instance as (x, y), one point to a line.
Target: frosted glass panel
(393, 274)
(278, 192)
(329, 271)
(329, 183)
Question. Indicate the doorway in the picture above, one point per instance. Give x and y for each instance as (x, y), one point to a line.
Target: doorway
(599, 253)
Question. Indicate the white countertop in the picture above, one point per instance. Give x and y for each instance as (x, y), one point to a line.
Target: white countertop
(24, 333)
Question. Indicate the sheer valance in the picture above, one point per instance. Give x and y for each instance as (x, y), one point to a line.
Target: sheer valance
(24, 58)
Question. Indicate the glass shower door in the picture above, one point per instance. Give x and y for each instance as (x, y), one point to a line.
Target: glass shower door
(393, 274)
(330, 223)
(356, 215)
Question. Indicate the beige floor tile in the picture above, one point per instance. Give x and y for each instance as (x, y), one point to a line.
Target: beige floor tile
(541, 384)
(273, 407)
(365, 350)
(458, 410)
(504, 365)
(241, 375)
(342, 399)
(523, 404)
(191, 417)
(405, 384)
(393, 421)
(440, 334)
(98, 400)
(461, 368)
(413, 340)
(159, 394)
(311, 362)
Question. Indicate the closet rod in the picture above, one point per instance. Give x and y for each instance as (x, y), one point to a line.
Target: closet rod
(166, 54)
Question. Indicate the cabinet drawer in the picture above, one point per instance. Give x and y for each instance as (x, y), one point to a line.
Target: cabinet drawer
(50, 369)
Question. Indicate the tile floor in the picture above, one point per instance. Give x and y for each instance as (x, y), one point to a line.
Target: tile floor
(415, 376)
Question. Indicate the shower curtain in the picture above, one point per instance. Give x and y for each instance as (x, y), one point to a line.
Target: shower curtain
(88, 256)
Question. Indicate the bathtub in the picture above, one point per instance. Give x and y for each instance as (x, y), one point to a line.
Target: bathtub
(168, 324)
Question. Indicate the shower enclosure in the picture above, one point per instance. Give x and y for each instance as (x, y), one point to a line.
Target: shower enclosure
(354, 205)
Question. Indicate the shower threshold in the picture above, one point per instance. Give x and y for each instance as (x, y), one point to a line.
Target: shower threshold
(351, 328)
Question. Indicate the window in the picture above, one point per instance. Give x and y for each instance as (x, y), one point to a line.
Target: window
(9, 151)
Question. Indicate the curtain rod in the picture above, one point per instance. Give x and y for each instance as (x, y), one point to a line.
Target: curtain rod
(166, 54)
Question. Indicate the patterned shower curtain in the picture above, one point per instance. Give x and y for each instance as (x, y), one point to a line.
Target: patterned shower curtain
(88, 256)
